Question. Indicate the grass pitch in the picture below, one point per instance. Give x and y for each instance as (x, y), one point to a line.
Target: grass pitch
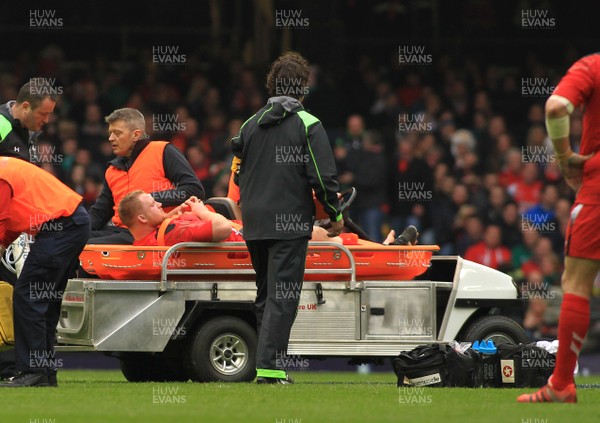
(105, 397)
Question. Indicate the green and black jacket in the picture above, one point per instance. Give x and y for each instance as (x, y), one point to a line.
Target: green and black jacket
(285, 154)
(15, 140)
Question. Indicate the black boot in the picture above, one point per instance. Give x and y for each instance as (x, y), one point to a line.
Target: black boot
(409, 236)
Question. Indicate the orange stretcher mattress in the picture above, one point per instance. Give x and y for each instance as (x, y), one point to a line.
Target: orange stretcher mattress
(373, 261)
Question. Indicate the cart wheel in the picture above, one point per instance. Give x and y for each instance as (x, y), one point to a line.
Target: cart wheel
(170, 370)
(222, 349)
(499, 329)
(149, 368)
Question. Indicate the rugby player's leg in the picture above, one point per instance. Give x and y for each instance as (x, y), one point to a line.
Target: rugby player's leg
(577, 283)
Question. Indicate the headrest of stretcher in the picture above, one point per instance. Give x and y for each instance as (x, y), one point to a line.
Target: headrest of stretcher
(224, 206)
(349, 238)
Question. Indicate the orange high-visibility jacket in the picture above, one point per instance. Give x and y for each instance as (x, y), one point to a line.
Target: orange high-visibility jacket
(147, 173)
(37, 196)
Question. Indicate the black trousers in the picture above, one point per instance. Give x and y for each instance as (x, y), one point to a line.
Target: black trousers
(53, 258)
(7, 357)
(279, 266)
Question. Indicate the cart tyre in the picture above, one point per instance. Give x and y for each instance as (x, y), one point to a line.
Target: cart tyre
(222, 349)
(148, 368)
(500, 329)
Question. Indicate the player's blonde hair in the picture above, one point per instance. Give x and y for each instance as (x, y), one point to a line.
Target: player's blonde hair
(130, 206)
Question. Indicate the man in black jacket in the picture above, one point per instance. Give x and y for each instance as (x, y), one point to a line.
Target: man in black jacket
(285, 154)
(153, 166)
(21, 120)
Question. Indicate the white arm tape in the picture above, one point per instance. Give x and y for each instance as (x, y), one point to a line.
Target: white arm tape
(558, 127)
(566, 102)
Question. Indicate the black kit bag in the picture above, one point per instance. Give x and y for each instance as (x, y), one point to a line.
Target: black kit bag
(488, 371)
(524, 365)
(462, 368)
(436, 365)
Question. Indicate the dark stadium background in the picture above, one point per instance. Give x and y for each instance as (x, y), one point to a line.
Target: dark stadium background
(480, 57)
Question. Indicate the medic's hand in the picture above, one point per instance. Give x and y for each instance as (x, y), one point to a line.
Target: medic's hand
(336, 228)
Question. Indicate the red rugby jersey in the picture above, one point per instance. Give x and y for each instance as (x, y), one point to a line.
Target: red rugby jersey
(581, 86)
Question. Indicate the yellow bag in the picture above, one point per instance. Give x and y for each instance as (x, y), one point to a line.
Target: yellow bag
(7, 333)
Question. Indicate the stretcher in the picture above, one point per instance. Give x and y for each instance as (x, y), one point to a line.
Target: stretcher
(371, 261)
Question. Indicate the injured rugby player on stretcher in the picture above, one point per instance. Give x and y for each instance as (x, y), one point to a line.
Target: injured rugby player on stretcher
(192, 221)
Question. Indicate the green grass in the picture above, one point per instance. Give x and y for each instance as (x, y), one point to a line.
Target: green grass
(105, 396)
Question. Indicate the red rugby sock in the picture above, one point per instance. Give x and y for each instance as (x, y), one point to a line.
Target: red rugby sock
(572, 329)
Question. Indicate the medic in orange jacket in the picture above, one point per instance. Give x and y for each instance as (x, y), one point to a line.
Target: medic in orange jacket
(30, 197)
(153, 166)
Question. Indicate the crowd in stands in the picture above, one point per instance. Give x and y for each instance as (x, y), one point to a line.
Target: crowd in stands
(458, 151)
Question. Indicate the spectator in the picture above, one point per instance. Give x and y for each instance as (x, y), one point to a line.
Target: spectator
(410, 186)
(462, 147)
(443, 211)
(212, 135)
(526, 190)
(200, 165)
(543, 213)
(542, 247)
(511, 170)
(496, 127)
(522, 252)
(458, 98)
(497, 157)
(67, 129)
(446, 128)
(472, 235)
(511, 230)
(68, 152)
(92, 188)
(355, 130)
(93, 130)
(494, 209)
(77, 179)
(351, 141)
(188, 136)
(220, 147)
(459, 226)
(490, 252)
(535, 290)
(369, 176)
(411, 90)
(221, 183)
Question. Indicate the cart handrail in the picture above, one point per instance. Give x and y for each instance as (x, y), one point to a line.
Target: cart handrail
(223, 246)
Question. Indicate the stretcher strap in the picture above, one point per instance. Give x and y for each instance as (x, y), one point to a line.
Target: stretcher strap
(160, 237)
